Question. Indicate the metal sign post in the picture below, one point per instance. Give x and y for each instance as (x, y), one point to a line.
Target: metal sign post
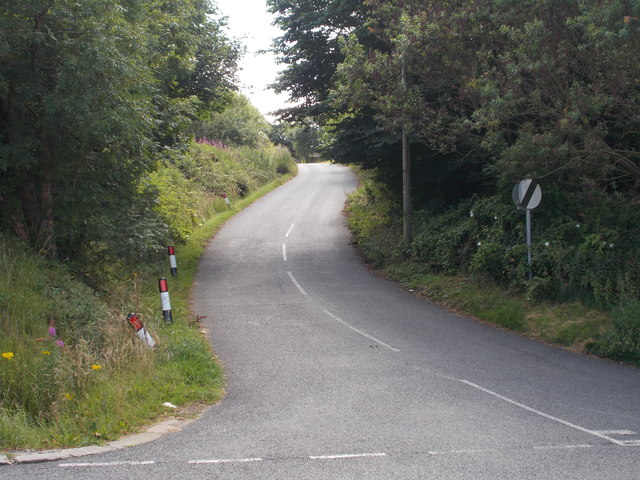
(526, 196)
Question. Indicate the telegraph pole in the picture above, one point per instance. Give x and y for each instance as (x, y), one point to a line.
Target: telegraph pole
(406, 175)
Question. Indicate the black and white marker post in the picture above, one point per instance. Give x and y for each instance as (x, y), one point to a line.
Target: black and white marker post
(526, 196)
(172, 261)
(164, 299)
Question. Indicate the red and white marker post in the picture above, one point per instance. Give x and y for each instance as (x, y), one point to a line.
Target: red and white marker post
(164, 299)
(226, 200)
(141, 332)
(172, 261)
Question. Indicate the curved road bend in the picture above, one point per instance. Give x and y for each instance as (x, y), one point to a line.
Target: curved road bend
(334, 373)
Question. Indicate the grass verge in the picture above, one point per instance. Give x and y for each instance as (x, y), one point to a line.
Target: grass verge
(58, 389)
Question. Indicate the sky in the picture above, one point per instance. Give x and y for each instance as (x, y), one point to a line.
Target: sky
(250, 22)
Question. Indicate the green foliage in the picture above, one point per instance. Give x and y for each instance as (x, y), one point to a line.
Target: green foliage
(369, 219)
(433, 270)
(238, 124)
(50, 392)
(178, 202)
(90, 93)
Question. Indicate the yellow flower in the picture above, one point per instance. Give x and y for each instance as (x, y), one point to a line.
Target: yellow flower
(7, 355)
(68, 396)
(46, 352)
(95, 367)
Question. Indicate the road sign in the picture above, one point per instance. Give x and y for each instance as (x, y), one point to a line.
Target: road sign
(527, 194)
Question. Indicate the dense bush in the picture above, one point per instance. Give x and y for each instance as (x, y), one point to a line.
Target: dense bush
(593, 259)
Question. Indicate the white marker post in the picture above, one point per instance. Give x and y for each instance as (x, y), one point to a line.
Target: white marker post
(172, 261)
(526, 196)
(164, 299)
(226, 200)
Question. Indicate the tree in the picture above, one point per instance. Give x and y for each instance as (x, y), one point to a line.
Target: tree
(310, 47)
(541, 88)
(90, 92)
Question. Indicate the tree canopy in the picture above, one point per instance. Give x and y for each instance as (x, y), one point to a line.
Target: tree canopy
(495, 90)
(91, 94)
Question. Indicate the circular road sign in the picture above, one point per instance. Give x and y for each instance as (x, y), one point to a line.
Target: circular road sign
(527, 194)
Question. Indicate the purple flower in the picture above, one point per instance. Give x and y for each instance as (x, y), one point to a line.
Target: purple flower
(60, 343)
(52, 331)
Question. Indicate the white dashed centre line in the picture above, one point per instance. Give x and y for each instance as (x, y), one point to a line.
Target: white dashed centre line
(289, 231)
(360, 332)
(295, 282)
(284, 252)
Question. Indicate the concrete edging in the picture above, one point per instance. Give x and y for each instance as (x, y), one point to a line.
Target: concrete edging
(152, 433)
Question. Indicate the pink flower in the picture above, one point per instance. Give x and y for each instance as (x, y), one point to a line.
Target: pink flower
(60, 343)
(52, 331)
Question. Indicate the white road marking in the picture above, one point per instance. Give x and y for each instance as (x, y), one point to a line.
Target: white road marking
(104, 464)
(295, 282)
(225, 460)
(360, 332)
(284, 252)
(289, 231)
(347, 455)
(616, 432)
(560, 447)
(595, 433)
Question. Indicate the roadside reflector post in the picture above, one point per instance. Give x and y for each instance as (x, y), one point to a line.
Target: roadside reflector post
(141, 332)
(164, 300)
(226, 200)
(172, 261)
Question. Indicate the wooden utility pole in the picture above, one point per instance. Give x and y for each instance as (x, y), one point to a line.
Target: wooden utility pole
(406, 176)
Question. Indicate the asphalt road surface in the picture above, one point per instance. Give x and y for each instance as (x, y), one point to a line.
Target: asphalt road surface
(334, 373)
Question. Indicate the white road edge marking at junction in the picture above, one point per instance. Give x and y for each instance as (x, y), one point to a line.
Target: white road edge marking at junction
(286, 235)
(360, 332)
(225, 460)
(284, 252)
(347, 455)
(295, 282)
(105, 464)
(595, 433)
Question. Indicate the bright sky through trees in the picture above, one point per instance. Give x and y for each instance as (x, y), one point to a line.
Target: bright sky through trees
(250, 22)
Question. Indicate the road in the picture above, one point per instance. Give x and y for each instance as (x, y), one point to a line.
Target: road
(334, 373)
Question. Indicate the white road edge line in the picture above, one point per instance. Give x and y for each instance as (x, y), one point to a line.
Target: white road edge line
(284, 252)
(595, 433)
(347, 455)
(295, 282)
(286, 235)
(105, 464)
(360, 332)
(225, 460)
